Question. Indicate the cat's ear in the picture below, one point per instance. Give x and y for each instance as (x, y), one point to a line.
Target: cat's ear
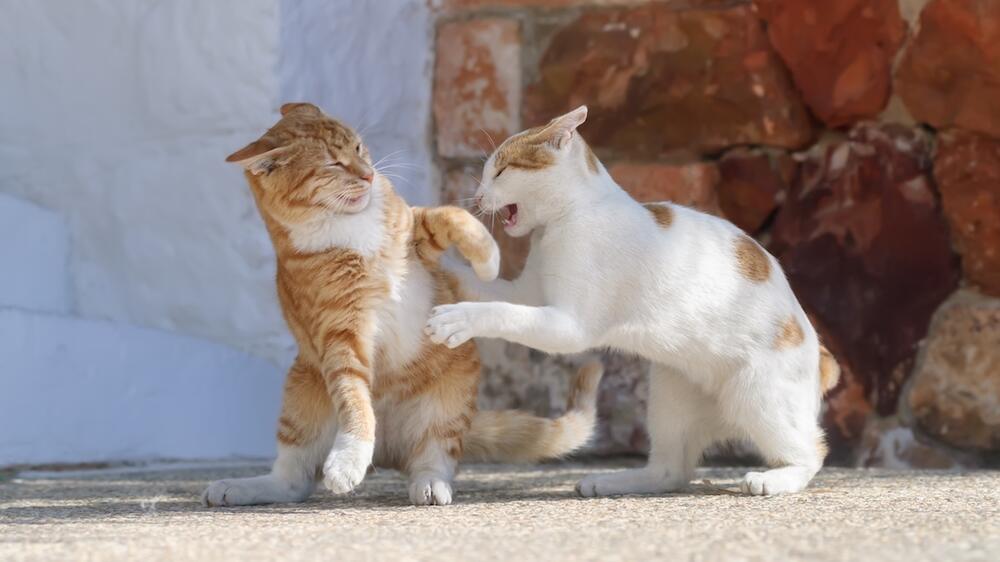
(298, 106)
(260, 156)
(562, 128)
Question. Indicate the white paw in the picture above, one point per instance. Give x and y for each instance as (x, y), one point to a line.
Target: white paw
(430, 490)
(216, 495)
(770, 483)
(451, 324)
(347, 463)
(613, 484)
(589, 487)
(224, 493)
(489, 269)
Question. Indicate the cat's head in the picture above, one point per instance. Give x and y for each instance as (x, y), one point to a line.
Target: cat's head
(308, 166)
(533, 175)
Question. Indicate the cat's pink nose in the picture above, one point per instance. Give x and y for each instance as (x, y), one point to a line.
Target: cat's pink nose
(368, 177)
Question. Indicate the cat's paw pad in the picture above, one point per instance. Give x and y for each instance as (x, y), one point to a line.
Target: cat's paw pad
(430, 490)
(489, 269)
(345, 468)
(225, 493)
(450, 324)
(769, 483)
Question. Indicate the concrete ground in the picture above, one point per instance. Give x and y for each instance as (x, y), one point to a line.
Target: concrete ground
(503, 513)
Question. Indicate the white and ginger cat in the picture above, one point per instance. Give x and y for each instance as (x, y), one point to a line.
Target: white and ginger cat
(357, 276)
(733, 354)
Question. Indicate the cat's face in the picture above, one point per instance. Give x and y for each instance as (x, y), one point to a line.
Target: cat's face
(308, 166)
(528, 177)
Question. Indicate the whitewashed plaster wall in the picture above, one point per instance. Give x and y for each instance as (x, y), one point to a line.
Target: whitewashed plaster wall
(116, 116)
(368, 62)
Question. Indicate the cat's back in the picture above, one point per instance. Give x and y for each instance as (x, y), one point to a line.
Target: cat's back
(707, 276)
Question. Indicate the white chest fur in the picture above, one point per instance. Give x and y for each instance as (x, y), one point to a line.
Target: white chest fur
(401, 320)
(362, 232)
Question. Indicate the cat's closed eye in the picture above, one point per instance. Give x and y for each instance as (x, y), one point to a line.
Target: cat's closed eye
(500, 171)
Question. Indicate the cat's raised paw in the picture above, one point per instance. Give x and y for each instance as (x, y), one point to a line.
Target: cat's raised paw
(429, 490)
(489, 269)
(345, 467)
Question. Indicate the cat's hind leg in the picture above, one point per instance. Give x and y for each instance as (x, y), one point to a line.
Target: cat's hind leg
(306, 429)
(778, 409)
(681, 424)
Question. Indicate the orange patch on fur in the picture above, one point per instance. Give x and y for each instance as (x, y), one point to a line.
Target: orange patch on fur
(662, 213)
(354, 409)
(527, 150)
(437, 229)
(751, 260)
(790, 335)
(821, 448)
(829, 370)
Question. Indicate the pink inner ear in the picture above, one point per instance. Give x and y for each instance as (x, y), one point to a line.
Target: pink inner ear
(256, 148)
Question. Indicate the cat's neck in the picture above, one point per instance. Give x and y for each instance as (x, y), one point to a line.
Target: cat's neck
(588, 193)
(362, 232)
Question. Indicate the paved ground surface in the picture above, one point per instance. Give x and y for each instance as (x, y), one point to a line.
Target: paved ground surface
(504, 513)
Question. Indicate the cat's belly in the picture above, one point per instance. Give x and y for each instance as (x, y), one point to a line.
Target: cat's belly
(401, 320)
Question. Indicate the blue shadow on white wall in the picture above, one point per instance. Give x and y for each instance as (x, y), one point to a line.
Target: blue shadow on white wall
(138, 318)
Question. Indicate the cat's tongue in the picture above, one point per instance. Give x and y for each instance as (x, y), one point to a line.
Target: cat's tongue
(509, 214)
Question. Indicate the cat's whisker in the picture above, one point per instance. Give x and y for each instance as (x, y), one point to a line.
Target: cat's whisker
(390, 155)
(400, 166)
(493, 144)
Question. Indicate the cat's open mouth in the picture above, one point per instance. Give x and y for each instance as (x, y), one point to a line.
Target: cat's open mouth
(508, 214)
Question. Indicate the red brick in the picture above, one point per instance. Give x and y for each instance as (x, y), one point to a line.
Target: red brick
(868, 253)
(950, 73)
(477, 85)
(752, 184)
(840, 52)
(457, 5)
(967, 170)
(686, 184)
(660, 80)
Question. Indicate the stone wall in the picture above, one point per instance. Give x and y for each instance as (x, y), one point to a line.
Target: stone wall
(859, 140)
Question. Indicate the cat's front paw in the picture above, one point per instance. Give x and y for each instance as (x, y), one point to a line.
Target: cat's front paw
(452, 324)
(347, 463)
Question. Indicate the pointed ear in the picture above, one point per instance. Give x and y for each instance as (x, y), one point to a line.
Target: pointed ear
(260, 157)
(287, 107)
(562, 127)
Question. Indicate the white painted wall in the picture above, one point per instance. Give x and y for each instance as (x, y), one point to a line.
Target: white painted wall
(368, 63)
(117, 115)
(90, 390)
(120, 114)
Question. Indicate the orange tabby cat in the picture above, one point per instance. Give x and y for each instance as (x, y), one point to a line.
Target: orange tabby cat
(357, 278)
